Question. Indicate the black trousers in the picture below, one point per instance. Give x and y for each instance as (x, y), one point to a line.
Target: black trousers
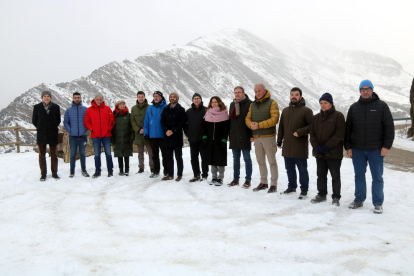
(156, 146)
(169, 153)
(121, 163)
(334, 167)
(198, 148)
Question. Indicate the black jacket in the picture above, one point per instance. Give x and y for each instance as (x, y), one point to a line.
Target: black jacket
(173, 119)
(240, 134)
(47, 125)
(194, 127)
(369, 125)
(216, 152)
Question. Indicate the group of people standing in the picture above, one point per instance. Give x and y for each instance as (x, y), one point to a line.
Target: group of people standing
(367, 136)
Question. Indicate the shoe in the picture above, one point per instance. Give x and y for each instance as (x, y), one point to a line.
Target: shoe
(96, 175)
(319, 199)
(246, 185)
(121, 173)
(213, 181)
(335, 202)
(140, 170)
(72, 174)
(154, 175)
(288, 191)
(203, 179)
(219, 182)
(43, 178)
(178, 178)
(55, 176)
(355, 205)
(126, 173)
(168, 177)
(272, 189)
(195, 179)
(260, 187)
(110, 173)
(378, 209)
(85, 173)
(303, 195)
(233, 183)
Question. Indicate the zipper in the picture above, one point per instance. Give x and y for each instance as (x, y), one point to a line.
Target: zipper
(77, 112)
(100, 121)
(365, 136)
(214, 130)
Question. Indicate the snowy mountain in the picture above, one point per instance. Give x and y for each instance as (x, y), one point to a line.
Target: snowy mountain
(214, 64)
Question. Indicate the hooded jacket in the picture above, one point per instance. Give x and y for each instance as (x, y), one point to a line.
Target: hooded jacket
(152, 122)
(74, 120)
(137, 120)
(99, 120)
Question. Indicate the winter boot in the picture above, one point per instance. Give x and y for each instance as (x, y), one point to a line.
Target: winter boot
(233, 183)
(72, 174)
(355, 205)
(378, 209)
(96, 175)
(319, 199)
(261, 187)
(272, 189)
(195, 179)
(85, 173)
(335, 202)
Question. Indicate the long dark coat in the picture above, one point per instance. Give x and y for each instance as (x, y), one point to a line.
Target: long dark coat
(122, 135)
(240, 134)
(47, 125)
(216, 153)
(173, 119)
(194, 127)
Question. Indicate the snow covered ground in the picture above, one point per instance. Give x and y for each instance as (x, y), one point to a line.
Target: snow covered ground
(401, 141)
(139, 226)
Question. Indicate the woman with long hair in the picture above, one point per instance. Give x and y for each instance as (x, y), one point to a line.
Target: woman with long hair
(216, 131)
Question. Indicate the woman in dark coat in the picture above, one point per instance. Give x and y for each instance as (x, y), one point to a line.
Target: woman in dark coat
(122, 136)
(216, 131)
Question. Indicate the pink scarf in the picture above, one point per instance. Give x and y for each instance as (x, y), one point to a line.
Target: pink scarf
(215, 115)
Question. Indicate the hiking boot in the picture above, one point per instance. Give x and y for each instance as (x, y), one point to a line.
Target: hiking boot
(154, 175)
(303, 195)
(110, 173)
(168, 177)
(246, 185)
(335, 202)
(178, 178)
(43, 177)
(55, 176)
(85, 173)
(218, 182)
(72, 174)
(140, 170)
(272, 189)
(319, 199)
(195, 179)
(233, 183)
(96, 175)
(288, 191)
(355, 205)
(378, 209)
(261, 187)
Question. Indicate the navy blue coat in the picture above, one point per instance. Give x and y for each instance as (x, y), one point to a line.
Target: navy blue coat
(173, 119)
(73, 120)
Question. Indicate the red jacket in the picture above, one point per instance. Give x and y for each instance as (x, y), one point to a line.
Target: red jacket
(99, 120)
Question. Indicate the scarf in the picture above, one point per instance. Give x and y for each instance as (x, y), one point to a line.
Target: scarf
(47, 107)
(236, 109)
(215, 115)
(119, 112)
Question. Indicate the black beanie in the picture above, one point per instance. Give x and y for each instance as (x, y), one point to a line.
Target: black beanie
(159, 93)
(197, 95)
(327, 97)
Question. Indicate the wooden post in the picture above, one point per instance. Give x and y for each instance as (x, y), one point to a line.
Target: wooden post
(16, 131)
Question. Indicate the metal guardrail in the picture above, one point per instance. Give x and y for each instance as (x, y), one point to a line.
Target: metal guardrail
(402, 119)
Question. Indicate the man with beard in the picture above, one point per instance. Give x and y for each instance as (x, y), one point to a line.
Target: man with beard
(294, 130)
(368, 139)
(173, 119)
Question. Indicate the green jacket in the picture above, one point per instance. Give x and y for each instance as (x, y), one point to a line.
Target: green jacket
(122, 136)
(137, 121)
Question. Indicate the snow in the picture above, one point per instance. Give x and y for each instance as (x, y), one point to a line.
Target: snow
(139, 226)
(401, 141)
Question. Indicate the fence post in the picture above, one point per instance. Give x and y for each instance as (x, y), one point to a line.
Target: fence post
(16, 131)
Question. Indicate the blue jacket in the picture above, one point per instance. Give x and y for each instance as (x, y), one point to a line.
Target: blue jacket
(152, 122)
(73, 121)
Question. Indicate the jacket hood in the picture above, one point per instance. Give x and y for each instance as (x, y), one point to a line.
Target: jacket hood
(93, 104)
(80, 104)
(374, 98)
(162, 103)
(266, 96)
(302, 102)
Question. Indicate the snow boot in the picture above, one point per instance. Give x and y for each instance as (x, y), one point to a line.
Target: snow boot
(335, 202)
(319, 199)
(233, 183)
(96, 175)
(272, 189)
(378, 209)
(85, 173)
(72, 174)
(43, 178)
(195, 179)
(55, 176)
(261, 187)
(355, 205)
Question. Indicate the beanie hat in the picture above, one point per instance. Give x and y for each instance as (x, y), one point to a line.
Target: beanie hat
(159, 93)
(118, 103)
(197, 95)
(366, 83)
(176, 94)
(46, 93)
(326, 97)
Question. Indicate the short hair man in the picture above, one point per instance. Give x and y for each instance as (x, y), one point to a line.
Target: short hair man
(46, 119)
(74, 125)
(100, 120)
(241, 136)
(327, 134)
(369, 137)
(294, 128)
(262, 118)
(137, 120)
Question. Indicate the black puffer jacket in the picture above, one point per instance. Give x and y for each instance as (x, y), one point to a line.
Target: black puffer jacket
(240, 134)
(369, 125)
(194, 127)
(47, 125)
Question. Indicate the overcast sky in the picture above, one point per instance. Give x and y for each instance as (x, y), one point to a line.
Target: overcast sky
(58, 41)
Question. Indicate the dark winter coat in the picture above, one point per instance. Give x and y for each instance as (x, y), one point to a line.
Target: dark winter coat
(328, 128)
(122, 135)
(194, 127)
(47, 125)
(74, 120)
(137, 120)
(240, 134)
(99, 120)
(216, 152)
(369, 125)
(295, 118)
(173, 118)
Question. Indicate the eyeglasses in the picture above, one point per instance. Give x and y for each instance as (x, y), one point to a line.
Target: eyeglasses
(197, 99)
(366, 89)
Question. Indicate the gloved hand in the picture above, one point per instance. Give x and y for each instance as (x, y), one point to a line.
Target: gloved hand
(322, 149)
(146, 137)
(205, 140)
(224, 144)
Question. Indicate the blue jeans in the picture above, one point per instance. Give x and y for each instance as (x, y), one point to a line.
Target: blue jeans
(302, 165)
(360, 158)
(236, 164)
(106, 142)
(74, 143)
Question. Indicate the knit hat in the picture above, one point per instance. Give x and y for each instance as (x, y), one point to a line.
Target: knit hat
(118, 103)
(159, 93)
(176, 94)
(46, 93)
(197, 95)
(326, 97)
(366, 83)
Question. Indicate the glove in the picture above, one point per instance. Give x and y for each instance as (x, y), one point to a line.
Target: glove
(322, 149)
(146, 137)
(224, 144)
(205, 140)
